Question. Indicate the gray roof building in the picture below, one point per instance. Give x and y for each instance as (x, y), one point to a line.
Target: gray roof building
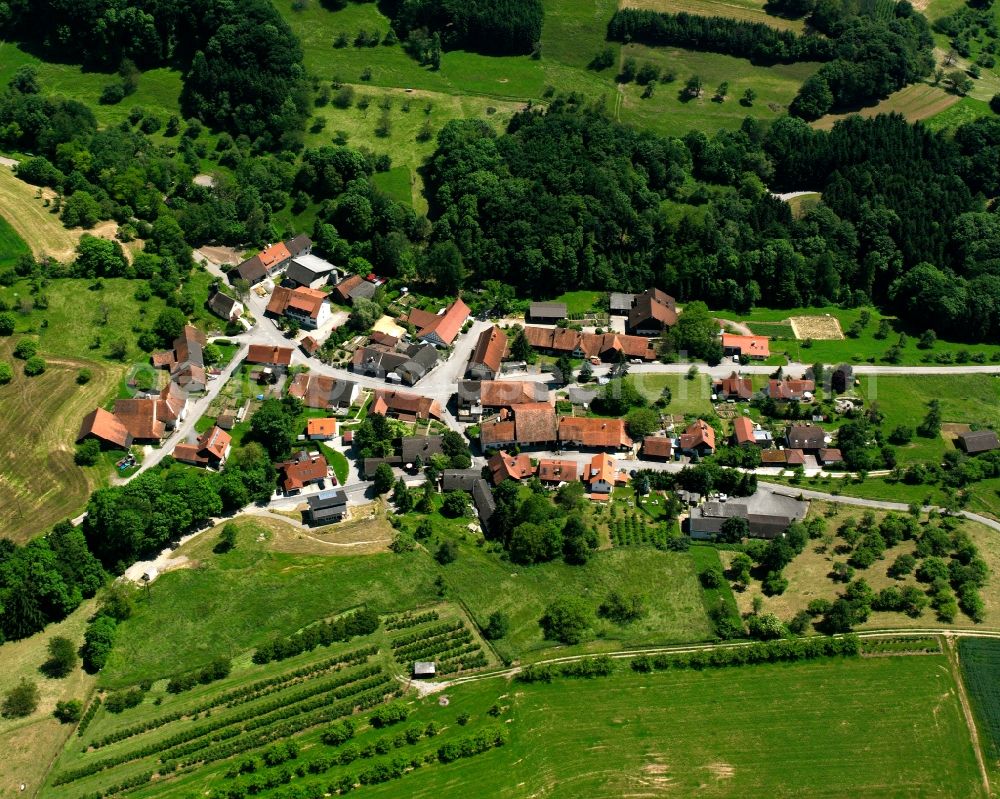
(482, 498)
(547, 311)
(620, 304)
(767, 513)
(422, 447)
(459, 479)
(978, 441)
(327, 506)
(309, 270)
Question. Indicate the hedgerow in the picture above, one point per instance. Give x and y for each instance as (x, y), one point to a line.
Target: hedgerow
(361, 622)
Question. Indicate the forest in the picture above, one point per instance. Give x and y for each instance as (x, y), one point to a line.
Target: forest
(867, 58)
(484, 26)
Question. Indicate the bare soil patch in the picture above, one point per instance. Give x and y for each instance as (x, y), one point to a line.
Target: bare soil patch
(819, 328)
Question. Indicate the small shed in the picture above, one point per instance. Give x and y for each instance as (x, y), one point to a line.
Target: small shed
(423, 669)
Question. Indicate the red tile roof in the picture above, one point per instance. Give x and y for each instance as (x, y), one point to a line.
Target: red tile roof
(606, 345)
(507, 393)
(830, 455)
(301, 469)
(105, 426)
(657, 447)
(795, 457)
(445, 326)
(751, 346)
(735, 386)
(700, 433)
(497, 432)
(490, 349)
(321, 427)
(554, 470)
(139, 418)
(594, 432)
(303, 299)
(509, 467)
(743, 430)
(267, 354)
(344, 287)
(790, 389)
(401, 403)
(602, 468)
(535, 422)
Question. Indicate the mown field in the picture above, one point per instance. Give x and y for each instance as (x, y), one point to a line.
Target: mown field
(688, 397)
(888, 727)
(31, 220)
(11, 244)
(39, 420)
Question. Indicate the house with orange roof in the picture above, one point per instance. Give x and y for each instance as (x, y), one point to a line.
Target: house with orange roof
(407, 407)
(106, 428)
(504, 466)
(593, 433)
(309, 307)
(651, 313)
(484, 363)
(755, 347)
(321, 429)
(323, 392)
(699, 437)
(211, 449)
(268, 355)
(267, 263)
(139, 416)
(791, 390)
(743, 431)
(608, 347)
(733, 387)
(602, 476)
(557, 470)
(300, 470)
(660, 448)
(529, 424)
(440, 329)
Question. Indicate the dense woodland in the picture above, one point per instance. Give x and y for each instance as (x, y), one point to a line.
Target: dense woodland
(485, 26)
(867, 58)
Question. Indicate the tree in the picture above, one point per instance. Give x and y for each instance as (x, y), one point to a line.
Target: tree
(622, 608)
(364, 314)
(579, 541)
(734, 530)
(748, 98)
(169, 325)
(443, 263)
(455, 505)
(619, 396)
(8, 322)
(88, 452)
(692, 88)
(69, 711)
(227, 538)
(6, 373)
(25, 348)
(927, 340)
(930, 427)
(739, 569)
(21, 700)
(520, 349)
(402, 498)
(586, 373)
(903, 564)
(711, 577)
(383, 479)
(563, 372)
(34, 366)
(497, 626)
(272, 427)
(765, 626)
(447, 552)
(62, 657)
(641, 422)
(567, 620)
(97, 643)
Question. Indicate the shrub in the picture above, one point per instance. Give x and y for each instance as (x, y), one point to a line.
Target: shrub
(7, 323)
(69, 712)
(21, 700)
(34, 366)
(567, 620)
(25, 348)
(6, 373)
(62, 657)
(87, 452)
(83, 377)
(497, 626)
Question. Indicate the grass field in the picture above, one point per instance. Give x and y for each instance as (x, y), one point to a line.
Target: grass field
(688, 397)
(39, 420)
(746, 10)
(40, 229)
(887, 727)
(218, 605)
(11, 244)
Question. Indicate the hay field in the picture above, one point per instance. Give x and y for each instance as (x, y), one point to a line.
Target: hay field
(745, 10)
(824, 328)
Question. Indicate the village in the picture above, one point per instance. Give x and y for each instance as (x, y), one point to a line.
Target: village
(589, 410)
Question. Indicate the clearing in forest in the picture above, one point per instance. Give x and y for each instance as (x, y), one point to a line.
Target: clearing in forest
(915, 102)
(745, 10)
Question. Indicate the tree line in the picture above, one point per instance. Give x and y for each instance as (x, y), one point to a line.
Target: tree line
(499, 27)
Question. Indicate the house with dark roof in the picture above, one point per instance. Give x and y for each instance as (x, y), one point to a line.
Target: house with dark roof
(619, 303)
(484, 363)
(755, 347)
(224, 306)
(106, 428)
(310, 271)
(299, 245)
(593, 433)
(302, 469)
(326, 507)
(186, 361)
(459, 479)
(418, 449)
(440, 329)
(978, 441)
(482, 498)
(504, 466)
(768, 515)
(267, 263)
(369, 465)
(323, 392)
(659, 448)
(211, 449)
(557, 470)
(547, 312)
(651, 313)
(352, 287)
(699, 437)
(733, 387)
(406, 364)
(805, 437)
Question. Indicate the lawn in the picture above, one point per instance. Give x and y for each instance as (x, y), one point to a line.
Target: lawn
(39, 420)
(11, 244)
(887, 727)
(579, 303)
(397, 183)
(234, 601)
(687, 397)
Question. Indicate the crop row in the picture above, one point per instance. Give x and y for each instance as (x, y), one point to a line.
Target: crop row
(88, 716)
(279, 705)
(980, 662)
(456, 636)
(633, 531)
(403, 620)
(475, 660)
(361, 622)
(430, 632)
(889, 646)
(432, 650)
(455, 652)
(248, 693)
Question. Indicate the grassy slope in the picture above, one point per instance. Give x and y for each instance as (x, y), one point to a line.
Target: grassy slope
(889, 727)
(40, 229)
(11, 244)
(39, 420)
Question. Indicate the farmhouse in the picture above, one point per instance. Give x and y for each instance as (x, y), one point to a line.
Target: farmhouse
(407, 364)
(300, 470)
(651, 313)
(805, 437)
(186, 361)
(756, 347)
(442, 328)
(265, 264)
(789, 390)
(509, 467)
(352, 287)
(978, 441)
(106, 428)
(475, 397)
(547, 312)
(321, 429)
(309, 271)
(608, 347)
(211, 449)
(733, 387)
(406, 407)
(139, 417)
(224, 306)
(659, 448)
(531, 423)
(554, 470)
(484, 363)
(268, 355)
(326, 506)
(768, 515)
(371, 464)
(698, 438)
(306, 306)
(743, 431)
(593, 433)
(322, 392)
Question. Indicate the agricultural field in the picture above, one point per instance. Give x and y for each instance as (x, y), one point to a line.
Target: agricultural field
(39, 419)
(980, 661)
(771, 736)
(916, 101)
